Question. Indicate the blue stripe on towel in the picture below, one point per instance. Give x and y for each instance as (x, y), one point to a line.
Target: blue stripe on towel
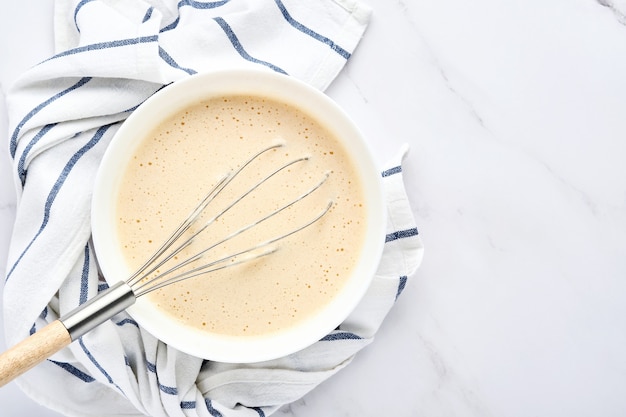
(21, 171)
(106, 45)
(392, 171)
(210, 409)
(164, 388)
(77, 9)
(37, 109)
(167, 58)
(340, 336)
(74, 371)
(202, 4)
(97, 365)
(401, 285)
(239, 48)
(259, 411)
(187, 405)
(57, 186)
(84, 278)
(127, 321)
(170, 26)
(195, 5)
(311, 32)
(148, 14)
(401, 234)
(191, 405)
(167, 390)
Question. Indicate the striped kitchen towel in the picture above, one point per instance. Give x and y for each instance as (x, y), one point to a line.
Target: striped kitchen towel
(110, 56)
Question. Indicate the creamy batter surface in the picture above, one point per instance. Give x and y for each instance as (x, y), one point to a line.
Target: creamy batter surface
(185, 156)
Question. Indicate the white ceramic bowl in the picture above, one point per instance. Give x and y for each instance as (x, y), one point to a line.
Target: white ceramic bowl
(176, 97)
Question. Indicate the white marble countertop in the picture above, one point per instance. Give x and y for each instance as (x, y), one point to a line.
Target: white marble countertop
(515, 113)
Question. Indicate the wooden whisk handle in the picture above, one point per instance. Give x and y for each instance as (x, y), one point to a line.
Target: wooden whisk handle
(60, 333)
(33, 350)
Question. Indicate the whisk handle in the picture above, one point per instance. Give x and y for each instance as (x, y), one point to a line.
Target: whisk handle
(60, 333)
(33, 350)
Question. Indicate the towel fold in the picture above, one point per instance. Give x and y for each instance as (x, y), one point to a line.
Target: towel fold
(109, 57)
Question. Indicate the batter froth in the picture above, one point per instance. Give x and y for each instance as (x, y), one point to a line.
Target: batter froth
(188, 154)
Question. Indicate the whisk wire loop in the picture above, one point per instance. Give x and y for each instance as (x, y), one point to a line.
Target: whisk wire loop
(191, 238)
(163, 280)
(142, 271)
(145, 280)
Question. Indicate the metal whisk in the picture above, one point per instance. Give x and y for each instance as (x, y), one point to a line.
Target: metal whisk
(149, 277)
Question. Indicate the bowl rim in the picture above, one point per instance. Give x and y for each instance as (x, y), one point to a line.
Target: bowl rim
(256, 82)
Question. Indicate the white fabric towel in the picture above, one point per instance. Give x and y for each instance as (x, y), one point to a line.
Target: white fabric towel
(110, 56)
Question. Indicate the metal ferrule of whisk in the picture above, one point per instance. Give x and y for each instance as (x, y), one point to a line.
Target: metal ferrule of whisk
(99, 309)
